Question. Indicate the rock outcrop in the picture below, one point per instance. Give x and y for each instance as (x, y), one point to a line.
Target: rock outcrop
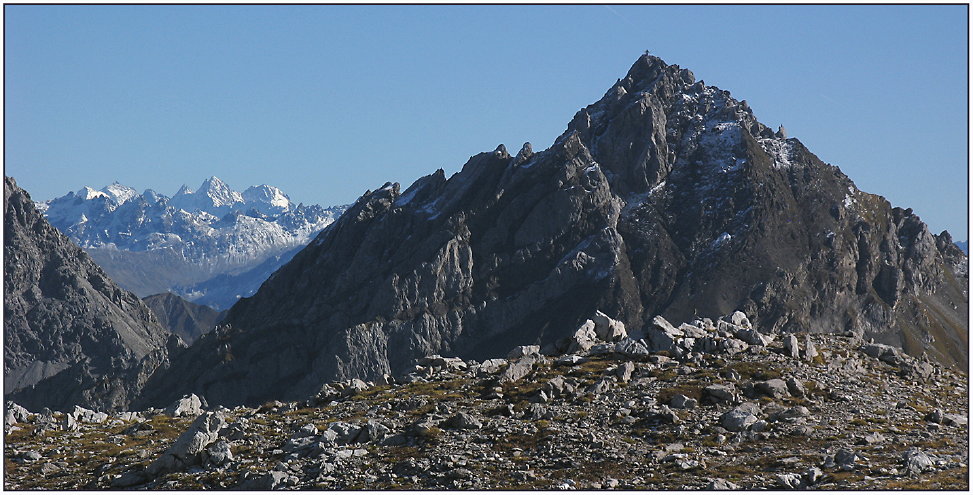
(666, 197)
(71, 336)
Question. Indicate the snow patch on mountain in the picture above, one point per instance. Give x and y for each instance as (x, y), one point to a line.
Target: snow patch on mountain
(778, 149)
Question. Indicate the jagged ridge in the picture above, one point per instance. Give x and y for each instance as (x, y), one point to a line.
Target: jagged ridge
(665, 197)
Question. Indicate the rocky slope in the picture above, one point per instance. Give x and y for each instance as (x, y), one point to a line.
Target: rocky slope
(666, 196)
(183, 318)
(71, 336)
(209, 245)
(713, 412)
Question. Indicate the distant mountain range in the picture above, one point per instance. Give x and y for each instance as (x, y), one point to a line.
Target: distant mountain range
(964, 246)
(211, 245)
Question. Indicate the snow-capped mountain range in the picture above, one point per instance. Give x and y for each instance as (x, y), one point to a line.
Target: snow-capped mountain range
(152, 243)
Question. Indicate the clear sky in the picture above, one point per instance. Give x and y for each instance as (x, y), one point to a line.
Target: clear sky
(328, 101)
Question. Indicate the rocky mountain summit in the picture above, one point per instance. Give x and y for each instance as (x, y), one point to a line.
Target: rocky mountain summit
(71, 336)
(703, 405)
(211, 246)
(665, 197)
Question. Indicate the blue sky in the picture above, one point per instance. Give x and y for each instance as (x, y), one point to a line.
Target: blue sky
(328, 101)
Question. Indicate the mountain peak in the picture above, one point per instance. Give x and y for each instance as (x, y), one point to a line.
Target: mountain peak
(648, 68)
(88, 192)
(119, 193)
(213, 182)
(214, 187)
(213, 196)
(264, 197)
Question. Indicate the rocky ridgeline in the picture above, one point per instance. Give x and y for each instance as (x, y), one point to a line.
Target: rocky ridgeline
(703, 405)
(71, 336)
(664, 197)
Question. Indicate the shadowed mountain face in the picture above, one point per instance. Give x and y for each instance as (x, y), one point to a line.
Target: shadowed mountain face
(183, 318)
(666, 196)
(71, 336)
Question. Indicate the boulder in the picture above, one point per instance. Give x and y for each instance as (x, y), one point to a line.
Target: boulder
(129, 479)
(462, 421)
(524, 351)
(600, 387)
(884, 353)
(845, 457)
(660, 323)
(490, 366)
(582, 339)
(272, 480)
(872, 439)
(692, 331)
(739, 319)
(795, 387)
(917, 461)
(919, 369)
(752, 336)
(791, 347)
(810, 351)
(732, 346)
(791, 481)
(721, 484)
(680, 401)
(342, 433)
(624, 371)
(447, 363)
(82, 415)
(68, 423)
(775, 388)
(536, 412)
(738, 419)
(128, 416)
(607, 328)
(632, 348)
(518, 369)
(217, 454)
(793, 413)
(189, 405)
(718, 394)
(15, 414)
(372, 431)
(662, 336)
(557, 386)
(707, 345)
(188, 448)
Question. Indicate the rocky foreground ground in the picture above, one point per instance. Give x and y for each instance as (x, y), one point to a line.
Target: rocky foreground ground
(707, 405)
